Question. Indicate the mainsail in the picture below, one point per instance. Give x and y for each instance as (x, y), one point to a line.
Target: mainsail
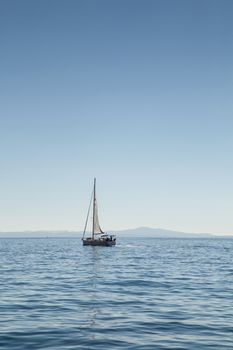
(96, 225)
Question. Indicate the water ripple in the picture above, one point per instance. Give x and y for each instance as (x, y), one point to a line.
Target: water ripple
(149, 294)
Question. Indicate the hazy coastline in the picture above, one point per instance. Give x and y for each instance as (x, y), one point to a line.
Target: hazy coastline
(135, 232)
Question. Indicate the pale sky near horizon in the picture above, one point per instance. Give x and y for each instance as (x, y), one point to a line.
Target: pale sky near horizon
(135, 93)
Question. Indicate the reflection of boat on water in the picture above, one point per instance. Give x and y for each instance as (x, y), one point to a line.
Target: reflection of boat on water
(98, 237)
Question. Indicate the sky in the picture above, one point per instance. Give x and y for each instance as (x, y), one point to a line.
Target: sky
(137, 93)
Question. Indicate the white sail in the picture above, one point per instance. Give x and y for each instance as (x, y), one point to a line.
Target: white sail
(97, 228)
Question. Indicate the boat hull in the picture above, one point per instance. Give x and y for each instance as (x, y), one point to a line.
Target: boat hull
(99, 242)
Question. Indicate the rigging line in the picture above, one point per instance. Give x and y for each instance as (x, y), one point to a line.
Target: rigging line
(84, 231)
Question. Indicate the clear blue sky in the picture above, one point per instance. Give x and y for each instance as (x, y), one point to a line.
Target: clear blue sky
(135, 93)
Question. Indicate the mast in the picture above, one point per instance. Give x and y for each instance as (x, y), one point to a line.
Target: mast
(93, 221)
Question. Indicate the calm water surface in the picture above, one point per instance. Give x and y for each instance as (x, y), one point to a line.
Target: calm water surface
(142, 294)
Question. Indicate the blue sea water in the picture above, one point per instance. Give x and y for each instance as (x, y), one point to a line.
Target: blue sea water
(142, 294)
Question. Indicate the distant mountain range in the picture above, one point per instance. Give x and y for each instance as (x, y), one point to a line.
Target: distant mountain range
(159, 232)
(136, 232)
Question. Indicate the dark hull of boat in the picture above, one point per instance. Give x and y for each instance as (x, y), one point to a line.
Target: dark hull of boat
(99, 242)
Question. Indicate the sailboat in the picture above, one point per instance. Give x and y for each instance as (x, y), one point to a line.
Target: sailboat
(98, 237)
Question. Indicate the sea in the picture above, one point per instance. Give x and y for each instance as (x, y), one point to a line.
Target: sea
(144, 293)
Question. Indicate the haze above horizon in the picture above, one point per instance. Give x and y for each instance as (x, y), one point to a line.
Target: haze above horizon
(135, 93)
(131, 232)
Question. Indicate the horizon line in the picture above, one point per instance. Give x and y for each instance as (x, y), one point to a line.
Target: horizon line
(111, 230)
